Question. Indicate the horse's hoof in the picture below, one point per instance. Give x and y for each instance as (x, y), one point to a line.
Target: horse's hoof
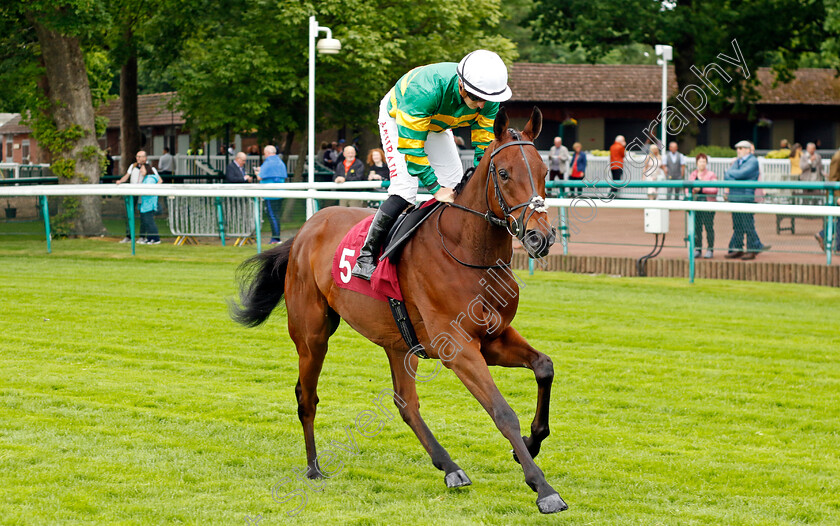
(552, 504)
(456, 479)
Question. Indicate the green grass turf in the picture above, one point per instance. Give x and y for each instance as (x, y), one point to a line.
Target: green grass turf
(127, 396)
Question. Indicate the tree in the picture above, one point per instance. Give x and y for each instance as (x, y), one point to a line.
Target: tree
(60, 104)
(152, 30)
(252, 74)
(771, 33)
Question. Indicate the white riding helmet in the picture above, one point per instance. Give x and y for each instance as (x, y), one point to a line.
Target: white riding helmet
(484, 75)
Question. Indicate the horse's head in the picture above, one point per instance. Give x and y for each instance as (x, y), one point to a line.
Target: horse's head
(516, 184)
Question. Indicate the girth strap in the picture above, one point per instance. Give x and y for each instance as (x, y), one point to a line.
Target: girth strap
(406, 328)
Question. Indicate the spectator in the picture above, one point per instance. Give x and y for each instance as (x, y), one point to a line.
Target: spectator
(235, 172)
(148, 206)
(378, 170)
(166, 163)
(795, 157)
(784, 144)
(109, 162)
(325, 147)
(617, 163)
(135, 174)
(349, 169)
(340, 152)
(558, 160)
(674, 168)
(654, 170)
(273, 170)
(331, 155)
(459, 142)
(578, 170)
(704, 219)
(811, 164)
(834, 176)
(745, 168)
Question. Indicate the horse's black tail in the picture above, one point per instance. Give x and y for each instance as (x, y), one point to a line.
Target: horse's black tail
(262, 279)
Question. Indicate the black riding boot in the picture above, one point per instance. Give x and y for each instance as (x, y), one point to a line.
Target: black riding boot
(379, 227)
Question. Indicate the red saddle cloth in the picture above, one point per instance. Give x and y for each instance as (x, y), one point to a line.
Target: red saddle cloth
(383, 283)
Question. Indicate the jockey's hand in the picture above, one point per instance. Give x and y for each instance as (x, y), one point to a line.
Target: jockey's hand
(445, 195)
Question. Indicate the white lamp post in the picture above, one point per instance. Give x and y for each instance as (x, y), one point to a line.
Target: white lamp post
(667, 53)
(327, 46)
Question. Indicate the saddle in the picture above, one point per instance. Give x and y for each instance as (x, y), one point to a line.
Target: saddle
(384, 284)
(404, 227)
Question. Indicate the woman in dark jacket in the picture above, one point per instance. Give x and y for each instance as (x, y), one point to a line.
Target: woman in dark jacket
(376, 166)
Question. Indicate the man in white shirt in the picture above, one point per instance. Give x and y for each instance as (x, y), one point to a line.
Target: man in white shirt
(166, 163)
(674, 169)
(558, 160)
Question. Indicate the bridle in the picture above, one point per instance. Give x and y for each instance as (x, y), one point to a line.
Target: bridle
(536, 204)
(516, 228)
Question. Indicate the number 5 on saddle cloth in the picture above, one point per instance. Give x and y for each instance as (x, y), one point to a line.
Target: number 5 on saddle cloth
(384, 284)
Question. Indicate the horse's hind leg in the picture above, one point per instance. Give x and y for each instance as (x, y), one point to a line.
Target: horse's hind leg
(311, 323)
(409, 407)
(512, 350)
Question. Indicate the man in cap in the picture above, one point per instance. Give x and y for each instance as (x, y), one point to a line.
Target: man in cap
(745, 168)
(415, 122)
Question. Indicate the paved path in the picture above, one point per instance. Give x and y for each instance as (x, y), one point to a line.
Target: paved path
(615, 232)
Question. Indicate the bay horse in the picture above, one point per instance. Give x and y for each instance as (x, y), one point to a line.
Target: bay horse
(440, 271)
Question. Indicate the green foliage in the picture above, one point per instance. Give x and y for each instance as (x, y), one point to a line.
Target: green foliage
(520, 28)
(100, 76)
(769, 33)
(713, 151)
(64, 223)
(265, 87)
(784, 153)
(599, 153)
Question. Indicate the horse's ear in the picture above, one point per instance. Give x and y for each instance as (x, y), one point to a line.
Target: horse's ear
(500, 126)
(534, 127)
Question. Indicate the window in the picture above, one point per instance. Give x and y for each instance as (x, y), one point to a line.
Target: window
(9, 147)
(24, 151)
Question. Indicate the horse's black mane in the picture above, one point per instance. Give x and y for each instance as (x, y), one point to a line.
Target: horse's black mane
(470, 171)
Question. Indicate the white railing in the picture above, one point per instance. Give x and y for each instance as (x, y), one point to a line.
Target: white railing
(598, 169)
(189, 164)
(345, 191)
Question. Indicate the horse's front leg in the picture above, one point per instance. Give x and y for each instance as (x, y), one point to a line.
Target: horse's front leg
(510, 349)
(471, 368)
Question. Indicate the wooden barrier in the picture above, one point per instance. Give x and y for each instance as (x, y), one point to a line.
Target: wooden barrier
(805, 273)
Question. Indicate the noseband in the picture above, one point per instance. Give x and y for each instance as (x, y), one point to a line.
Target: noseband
(514, 225)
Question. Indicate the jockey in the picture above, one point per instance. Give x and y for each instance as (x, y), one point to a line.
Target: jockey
(415, 122)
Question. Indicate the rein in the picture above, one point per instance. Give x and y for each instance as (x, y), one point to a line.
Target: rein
(534, 205)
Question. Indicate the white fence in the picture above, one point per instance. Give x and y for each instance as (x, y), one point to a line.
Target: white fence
(598, 169)
(197, 164)
(232, 193)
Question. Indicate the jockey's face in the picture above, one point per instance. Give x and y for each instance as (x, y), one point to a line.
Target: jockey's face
(473, 102)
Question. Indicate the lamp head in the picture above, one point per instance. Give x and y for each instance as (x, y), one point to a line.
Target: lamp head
(328, 46)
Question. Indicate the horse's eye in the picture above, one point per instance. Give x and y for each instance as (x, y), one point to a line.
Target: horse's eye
(503, 174)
